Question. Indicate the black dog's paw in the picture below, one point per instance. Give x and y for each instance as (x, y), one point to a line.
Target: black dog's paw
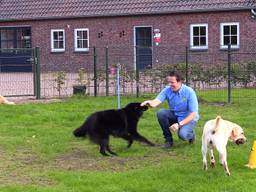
(104, 153)
(129, 144)
(113, 153)
(152, 145)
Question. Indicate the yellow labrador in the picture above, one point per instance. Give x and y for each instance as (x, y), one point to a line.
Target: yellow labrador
(3, 100)
(216, 134)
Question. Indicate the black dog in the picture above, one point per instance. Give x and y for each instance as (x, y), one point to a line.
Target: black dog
(119, 123)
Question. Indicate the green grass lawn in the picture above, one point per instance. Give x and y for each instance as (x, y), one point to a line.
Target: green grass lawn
(39, 153)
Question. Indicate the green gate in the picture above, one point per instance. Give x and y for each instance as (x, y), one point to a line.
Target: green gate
(20, 72)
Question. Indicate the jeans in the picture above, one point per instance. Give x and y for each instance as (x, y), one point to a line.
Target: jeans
(166, 118)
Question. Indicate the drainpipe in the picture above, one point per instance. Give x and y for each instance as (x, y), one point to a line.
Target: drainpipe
(253, 11)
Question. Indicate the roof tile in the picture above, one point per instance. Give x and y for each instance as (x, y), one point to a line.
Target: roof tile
(43, 9)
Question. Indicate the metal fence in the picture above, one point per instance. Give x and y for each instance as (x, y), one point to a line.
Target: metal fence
(225, 75)
(20, 72)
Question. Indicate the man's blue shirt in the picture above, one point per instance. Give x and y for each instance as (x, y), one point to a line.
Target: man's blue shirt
(182, 103)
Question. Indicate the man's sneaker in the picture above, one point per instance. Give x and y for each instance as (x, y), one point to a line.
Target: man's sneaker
(168, 144)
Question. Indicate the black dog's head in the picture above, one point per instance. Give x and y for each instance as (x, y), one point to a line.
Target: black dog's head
(136, 108)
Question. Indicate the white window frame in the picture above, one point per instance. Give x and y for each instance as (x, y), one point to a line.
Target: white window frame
(192, 39)
(222, 46)
(75, 39)
(52, 40)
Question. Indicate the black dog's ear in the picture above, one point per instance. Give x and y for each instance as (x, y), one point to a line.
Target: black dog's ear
(140, 108)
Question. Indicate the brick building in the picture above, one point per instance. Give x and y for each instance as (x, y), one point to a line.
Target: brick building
(66, 31)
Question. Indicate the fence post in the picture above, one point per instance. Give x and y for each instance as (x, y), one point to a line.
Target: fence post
(37, 73)
(186, 60)
(107, 72)
(118, 84)
(33, 50)
(229, 73)
(95, 71)
(137, 76)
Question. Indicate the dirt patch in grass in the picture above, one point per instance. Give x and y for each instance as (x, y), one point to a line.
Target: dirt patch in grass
(20, 178)
(25, 100)
(22, 168)
(25, 168)
(80, 160)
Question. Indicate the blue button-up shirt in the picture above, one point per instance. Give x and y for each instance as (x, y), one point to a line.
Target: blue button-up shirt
(182, 102)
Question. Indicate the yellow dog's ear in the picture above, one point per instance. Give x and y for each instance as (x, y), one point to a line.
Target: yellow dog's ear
(234, 133)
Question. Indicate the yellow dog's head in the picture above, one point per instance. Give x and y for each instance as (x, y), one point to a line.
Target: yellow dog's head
(237, 135)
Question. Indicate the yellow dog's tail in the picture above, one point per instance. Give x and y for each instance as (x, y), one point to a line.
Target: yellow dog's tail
(218, 118)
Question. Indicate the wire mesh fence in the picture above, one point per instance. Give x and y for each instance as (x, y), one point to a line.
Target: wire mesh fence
(224, 75)
(17, 72)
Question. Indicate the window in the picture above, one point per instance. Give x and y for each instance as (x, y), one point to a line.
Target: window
(23, 38)
(7, 38)
(229, 34)
(81, 39)
(15, 37)
(199, 36)
(57, 40)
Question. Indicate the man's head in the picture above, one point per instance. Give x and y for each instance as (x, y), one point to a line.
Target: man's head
(174, 79)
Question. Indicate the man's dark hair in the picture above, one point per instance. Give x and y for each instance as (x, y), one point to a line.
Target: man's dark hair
(176, 74)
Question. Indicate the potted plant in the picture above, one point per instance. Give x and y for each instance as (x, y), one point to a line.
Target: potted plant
(59, 79)
(80, 87)
(112, 69)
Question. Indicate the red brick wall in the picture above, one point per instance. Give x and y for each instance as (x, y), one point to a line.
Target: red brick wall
(175, 29)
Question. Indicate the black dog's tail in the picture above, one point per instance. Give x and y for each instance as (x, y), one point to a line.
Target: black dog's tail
(80, 132)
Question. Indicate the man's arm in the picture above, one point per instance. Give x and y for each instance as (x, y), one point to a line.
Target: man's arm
(174, 127)
(158, 100)
(151, 103)
(189, 118)
(192, 107)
